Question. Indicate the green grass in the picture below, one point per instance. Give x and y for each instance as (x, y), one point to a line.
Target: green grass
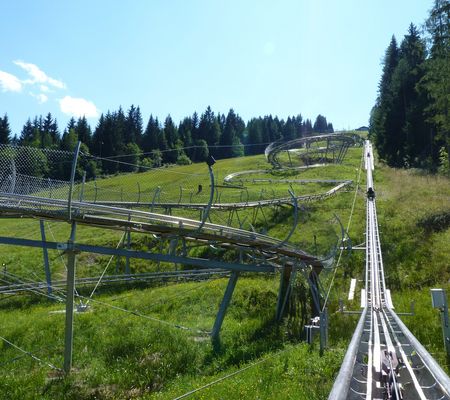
(119, 355)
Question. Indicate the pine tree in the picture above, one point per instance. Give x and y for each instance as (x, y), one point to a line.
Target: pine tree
(49, 133)
(171, 136)
(307, 127)
(209, 128)
(70, 125)
(151, 135)
(397, 120)
(133, 126)
(436, 82)
(185, 136)
(195, 125)
(83, 131)
(98, 137)
(26, 136)
(289, 130)
(5, 131)
(170, 131)
(415, 128)
(320, 125)
(382, 116)
(254, 128)
(330, 128)
(69, 140)
(228, 136)
(298, 123)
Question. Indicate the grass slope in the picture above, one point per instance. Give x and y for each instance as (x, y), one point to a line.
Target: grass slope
(119, 355)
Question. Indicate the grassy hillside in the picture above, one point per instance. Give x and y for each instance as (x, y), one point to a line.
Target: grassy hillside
(150, 342)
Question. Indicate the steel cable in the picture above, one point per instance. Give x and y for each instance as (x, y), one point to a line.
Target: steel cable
(30, 354)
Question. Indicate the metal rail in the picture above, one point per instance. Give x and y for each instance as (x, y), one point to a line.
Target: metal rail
(336, 146)
(384, 360)
(119, 279)
(144, 221)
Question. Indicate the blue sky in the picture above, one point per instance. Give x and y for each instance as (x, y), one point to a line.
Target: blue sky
(258, 57)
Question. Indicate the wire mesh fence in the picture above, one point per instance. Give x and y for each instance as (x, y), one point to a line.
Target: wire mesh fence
(114, 192)
(37, 175)
(28, 174)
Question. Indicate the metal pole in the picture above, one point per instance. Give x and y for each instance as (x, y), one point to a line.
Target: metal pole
(224, 305)
(439, 301)
(72, 179)
(127, 260)
(82, 186)
(446, 329)
(48, 276)
(71, 263)
(206, 210)
(323, 330)
(283, 290)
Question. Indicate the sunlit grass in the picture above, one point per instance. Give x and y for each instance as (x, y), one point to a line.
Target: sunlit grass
(120, 355)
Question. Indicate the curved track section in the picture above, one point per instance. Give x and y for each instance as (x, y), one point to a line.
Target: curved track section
(384, 360)
(28, 188)
(310, 150)
(147, 222)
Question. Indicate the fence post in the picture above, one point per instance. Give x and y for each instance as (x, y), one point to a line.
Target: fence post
(223, 307)
(72, 179)
(204, 216)
(46, 262)
(71, 264)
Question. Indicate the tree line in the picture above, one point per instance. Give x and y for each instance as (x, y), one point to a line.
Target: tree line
(122, 135)
(410, 122)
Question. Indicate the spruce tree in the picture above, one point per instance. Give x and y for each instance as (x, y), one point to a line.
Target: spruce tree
(171, 136)
(382, 116)
(26, 135)
(151, 135)
(83, 131)
(5, 131)
(228, 136)
(133, 126)
(320, 125)
(436, 82)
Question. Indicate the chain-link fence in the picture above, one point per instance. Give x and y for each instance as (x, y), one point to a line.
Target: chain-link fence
(29, 174)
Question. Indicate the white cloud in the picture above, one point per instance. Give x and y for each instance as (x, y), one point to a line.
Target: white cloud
(9, 83)
(39, 76)
(41, 97)
(44, 88)
(78, 107)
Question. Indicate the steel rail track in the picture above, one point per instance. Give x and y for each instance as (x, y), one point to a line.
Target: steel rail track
(144, 221)
(384, 360)
(107, 279)
(235, 205)
(343, 143)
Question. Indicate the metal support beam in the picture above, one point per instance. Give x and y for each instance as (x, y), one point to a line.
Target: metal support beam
(223, 306)
(72, 179)
(127, 259)
(283, 291)
(313, 281)
(198, 262)
(48, 275)
(439, 301)
(323, 330)
(71, 263)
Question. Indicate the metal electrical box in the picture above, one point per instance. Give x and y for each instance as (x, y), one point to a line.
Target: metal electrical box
(438, 298)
